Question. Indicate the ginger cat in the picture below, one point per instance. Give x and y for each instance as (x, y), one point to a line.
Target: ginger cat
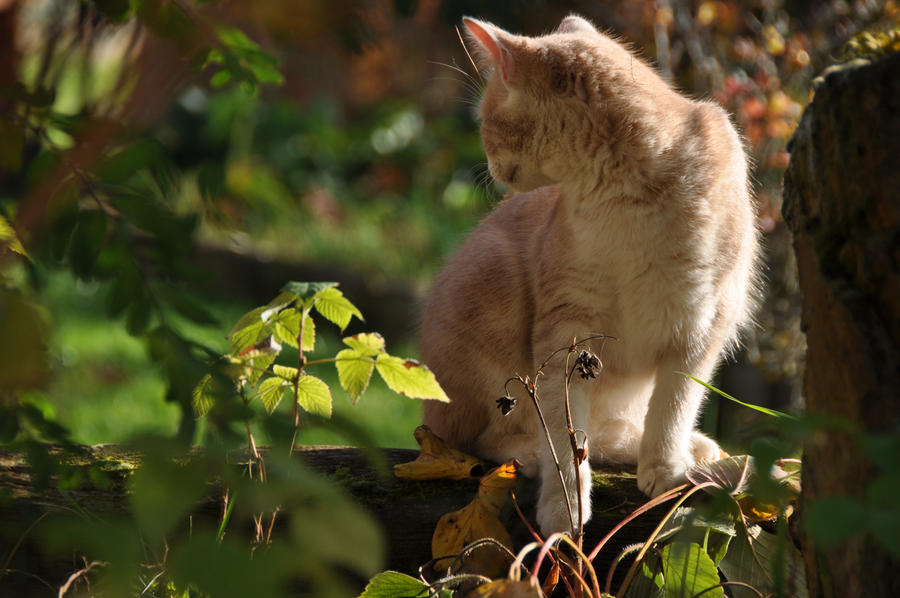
(633, 219)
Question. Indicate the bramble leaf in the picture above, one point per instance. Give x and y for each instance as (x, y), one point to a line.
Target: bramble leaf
(285, 372)
(306, 291)
(367, 343)
(391, 584)
(314, 396)
(271, 391)
(336, 308)
(354, 372)
(409, 377)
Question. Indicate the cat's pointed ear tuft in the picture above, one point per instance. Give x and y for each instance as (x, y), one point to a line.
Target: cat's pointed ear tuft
(492, 44)
(575, 24)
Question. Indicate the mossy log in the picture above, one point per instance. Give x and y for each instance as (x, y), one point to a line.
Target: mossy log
(842, 203)
(407, 510)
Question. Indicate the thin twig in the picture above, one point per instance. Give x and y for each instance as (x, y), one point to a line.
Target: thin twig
(78, 574)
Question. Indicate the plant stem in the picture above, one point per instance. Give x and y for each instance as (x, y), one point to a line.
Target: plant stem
(301, 364)
(637, 561)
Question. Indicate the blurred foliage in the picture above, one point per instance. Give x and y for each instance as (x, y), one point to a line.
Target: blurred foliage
(132, 131)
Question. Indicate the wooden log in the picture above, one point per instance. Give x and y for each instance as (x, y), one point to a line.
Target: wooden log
(407, 510)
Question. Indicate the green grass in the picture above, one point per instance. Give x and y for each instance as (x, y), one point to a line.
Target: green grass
(105, 389)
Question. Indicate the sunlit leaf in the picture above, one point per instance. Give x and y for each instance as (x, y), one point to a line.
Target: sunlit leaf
(391, 584)
(336, 308)
(287, 328)
(688, 571)
(314, 396)
(366, 343)
(409, 377)
(479, 519)
(286, 372)
(271, 391)
(724, 394)
(354, 372)
(437, 460)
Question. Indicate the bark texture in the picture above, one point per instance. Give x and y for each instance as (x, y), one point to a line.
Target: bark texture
(842, 203)
(407, 510)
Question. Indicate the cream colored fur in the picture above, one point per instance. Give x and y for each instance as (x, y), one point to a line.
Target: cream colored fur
(633, 218)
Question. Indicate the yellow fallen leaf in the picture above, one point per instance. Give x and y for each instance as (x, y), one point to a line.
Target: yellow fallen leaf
(505, 588)
(477, 520)
(437, 460)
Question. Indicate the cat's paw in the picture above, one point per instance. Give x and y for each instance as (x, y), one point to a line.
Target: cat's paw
(704, 448)
(655, 477)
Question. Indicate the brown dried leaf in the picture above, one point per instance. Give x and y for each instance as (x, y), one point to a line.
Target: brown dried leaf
(475, 521)
(437, 460)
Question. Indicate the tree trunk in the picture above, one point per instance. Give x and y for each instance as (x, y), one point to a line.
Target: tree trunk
(842, 203)
(407, 510)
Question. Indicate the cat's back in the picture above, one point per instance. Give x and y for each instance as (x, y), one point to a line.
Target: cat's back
(475, 324)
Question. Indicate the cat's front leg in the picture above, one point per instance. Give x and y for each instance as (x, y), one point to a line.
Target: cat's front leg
(670, 446)
(560, 488)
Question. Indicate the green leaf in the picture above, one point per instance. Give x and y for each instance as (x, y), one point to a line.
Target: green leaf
(287, 328)
(724, 394)
(334, 307)
(271, 391)
(366, 343)
(13, 145)
(257, 366)
(391, 584)
(409, 378)
(202, 398)
(285, 372)
(354, 372)
(220, 78)
(306, 291)
(688, 571)
(314, 396)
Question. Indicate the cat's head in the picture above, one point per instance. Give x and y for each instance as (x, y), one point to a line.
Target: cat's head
(557, 104)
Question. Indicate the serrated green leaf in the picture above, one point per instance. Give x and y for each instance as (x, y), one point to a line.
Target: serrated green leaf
(354, 372)
(271, 391)
(334, 307)
(391, 584)
(314, 396)
(202, 399)
(287, 328)
(258, 365)
(306, 291)
(285, 372)
(409, 378)
(689, 571)
(367, 343)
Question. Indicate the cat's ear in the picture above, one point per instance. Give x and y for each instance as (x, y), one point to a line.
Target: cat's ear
(575, 24)
(492, 44)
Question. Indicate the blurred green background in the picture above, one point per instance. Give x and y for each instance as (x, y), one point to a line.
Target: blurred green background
(162, 157)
